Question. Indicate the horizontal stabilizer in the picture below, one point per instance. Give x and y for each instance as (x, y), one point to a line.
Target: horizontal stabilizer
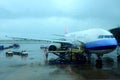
(59, 35)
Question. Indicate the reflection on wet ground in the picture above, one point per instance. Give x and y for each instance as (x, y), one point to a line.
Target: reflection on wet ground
(34, 67)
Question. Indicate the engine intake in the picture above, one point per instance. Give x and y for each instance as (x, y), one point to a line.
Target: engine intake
(54, 46)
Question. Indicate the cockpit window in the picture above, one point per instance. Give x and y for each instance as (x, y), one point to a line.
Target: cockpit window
(105, 36)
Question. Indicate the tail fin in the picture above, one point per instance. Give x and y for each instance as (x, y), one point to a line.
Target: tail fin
(63, 35)
(65, 30)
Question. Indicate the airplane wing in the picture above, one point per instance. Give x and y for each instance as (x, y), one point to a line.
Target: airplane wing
(60, 40)
(17, 38)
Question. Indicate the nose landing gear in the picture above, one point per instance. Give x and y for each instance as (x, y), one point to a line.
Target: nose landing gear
(99, 63)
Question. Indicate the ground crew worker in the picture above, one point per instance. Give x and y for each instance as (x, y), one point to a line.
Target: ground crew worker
(46, 54)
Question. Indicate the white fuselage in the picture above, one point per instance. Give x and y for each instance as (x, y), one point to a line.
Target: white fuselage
(96, 40)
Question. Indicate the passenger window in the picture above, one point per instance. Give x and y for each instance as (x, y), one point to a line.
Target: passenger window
(100, 36)
(105, 36)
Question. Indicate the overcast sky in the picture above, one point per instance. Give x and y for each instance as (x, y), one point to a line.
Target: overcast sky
(41, 18)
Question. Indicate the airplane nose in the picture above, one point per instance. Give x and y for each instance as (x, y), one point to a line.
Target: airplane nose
(113, 42)
(102, 44)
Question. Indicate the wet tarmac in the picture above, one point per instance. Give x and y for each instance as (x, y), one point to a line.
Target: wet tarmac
(34, 67)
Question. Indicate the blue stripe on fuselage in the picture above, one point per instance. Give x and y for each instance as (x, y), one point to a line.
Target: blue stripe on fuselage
(102, 44)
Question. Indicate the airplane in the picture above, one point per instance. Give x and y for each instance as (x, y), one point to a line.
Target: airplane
(96, 41)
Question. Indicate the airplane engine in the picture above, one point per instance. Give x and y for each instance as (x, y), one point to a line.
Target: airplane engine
(54, 46)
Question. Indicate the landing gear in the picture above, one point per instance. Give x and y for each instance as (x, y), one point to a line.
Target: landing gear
(89, 58)
(99, 63)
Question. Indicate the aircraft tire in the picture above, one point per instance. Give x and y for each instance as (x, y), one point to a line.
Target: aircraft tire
(99, 63)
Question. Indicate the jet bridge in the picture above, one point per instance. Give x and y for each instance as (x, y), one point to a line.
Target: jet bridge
(116, 33)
